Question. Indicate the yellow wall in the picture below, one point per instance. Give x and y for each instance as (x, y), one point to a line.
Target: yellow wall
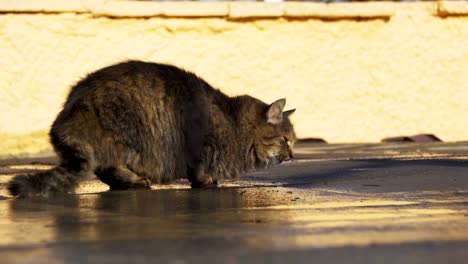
(355, 72)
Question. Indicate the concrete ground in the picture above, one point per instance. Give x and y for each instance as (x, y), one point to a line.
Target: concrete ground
(375, 203)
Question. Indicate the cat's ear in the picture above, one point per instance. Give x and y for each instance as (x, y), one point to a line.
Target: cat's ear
(274, 114)
(289, 112)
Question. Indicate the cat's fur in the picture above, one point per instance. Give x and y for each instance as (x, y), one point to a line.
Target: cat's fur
(137, 123)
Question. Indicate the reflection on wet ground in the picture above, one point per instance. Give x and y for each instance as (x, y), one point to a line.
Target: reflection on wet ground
(364, 210)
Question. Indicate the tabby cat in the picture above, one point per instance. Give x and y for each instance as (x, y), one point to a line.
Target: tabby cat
(137, 123)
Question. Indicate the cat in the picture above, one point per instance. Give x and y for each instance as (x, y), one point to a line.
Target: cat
(136, 123)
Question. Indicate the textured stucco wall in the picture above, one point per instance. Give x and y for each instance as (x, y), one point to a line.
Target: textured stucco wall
(355, 72)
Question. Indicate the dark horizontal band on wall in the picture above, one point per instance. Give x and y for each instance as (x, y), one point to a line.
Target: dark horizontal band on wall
(232, 10)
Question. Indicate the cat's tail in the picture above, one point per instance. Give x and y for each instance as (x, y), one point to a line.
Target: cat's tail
(45, 183)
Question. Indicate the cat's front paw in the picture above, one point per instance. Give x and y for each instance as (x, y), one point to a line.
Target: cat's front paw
(207, 183)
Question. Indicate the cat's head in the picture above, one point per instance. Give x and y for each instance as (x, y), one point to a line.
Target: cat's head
(274, 135)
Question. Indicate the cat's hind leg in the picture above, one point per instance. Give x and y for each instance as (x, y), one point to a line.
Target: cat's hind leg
(121, 178)
(76, 163)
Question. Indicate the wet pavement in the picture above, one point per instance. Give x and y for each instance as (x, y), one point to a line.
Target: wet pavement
(373, 203)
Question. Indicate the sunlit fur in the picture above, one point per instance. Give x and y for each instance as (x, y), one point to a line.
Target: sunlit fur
(136, 123)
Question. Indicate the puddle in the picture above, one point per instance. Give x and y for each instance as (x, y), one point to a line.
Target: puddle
(256, 217)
